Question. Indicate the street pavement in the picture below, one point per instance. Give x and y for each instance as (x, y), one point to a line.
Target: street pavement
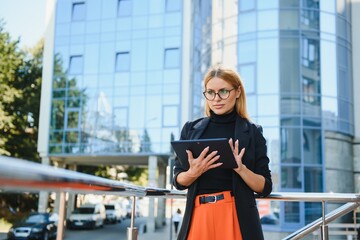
(118, 231)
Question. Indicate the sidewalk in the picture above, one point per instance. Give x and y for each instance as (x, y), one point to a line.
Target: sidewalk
(162, 233)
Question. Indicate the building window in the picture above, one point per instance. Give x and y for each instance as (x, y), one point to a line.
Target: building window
(172, 58)
(310, 53)
(246, 5)
(120, 119)
(248, 76)
(72, 118)
(122, 62)
(76, 64)
(124, 8)
(170, 116)
(78, 11)
(173, 5)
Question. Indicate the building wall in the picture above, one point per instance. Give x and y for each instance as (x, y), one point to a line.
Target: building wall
(339, 163)
(118, 77)
(356, 81)
(294, 58)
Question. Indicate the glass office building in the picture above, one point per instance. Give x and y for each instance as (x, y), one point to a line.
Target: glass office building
(121, 73)
(117, 81)
(295, 61)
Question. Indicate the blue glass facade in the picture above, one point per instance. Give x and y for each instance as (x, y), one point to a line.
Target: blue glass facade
(116, 85)
(294, 58)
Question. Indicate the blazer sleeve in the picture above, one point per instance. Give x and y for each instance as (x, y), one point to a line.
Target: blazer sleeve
(262, 161)
(178, 168)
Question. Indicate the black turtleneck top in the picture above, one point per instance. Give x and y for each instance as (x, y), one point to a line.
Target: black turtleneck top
(218, 179)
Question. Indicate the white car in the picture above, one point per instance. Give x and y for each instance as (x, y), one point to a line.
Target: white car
(87, 216)
(114, 213)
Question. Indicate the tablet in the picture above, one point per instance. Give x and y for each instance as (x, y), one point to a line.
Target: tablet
(197, 145)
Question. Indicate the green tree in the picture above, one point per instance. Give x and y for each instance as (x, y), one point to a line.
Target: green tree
(20, 86)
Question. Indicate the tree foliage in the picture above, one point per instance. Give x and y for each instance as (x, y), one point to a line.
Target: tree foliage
(20, 86)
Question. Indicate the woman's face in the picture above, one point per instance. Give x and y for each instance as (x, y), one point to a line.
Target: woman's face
(222, 106)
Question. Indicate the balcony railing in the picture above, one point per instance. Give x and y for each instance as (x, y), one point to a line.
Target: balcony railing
(20, 175)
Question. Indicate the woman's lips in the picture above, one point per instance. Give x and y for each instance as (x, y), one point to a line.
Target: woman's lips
(218, 106)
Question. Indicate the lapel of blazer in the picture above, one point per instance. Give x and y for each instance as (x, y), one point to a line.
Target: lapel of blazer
(199, 128)
(242, 132)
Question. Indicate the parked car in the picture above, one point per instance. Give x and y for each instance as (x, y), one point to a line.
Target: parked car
(37, 226)
(87, 216)
(271, 219)
(113, 213)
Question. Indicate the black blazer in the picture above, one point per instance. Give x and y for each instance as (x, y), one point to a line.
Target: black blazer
(255, 158)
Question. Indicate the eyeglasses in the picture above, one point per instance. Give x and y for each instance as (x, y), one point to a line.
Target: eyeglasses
(222, 93)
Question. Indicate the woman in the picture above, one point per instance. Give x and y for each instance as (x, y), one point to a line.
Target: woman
(176, 219)
(233, 214)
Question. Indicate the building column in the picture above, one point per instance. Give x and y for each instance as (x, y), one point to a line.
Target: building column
(161, 216)
(46, 90)
(43, 196)
(355, 22)
(57, 194)
(152, 166)
(71, 196)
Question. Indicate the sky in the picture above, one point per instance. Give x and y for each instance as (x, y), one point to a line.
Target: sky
(24, 19)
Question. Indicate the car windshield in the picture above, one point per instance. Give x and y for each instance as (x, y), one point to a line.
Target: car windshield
(84, 210)
(110, 207)
(35, 219)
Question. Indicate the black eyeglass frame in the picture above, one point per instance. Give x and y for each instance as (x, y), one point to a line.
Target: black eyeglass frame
(217, 93)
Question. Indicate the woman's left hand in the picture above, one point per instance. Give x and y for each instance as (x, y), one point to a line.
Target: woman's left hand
(238, 156)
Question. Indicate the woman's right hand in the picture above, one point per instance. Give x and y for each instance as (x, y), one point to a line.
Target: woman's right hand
(198, 166)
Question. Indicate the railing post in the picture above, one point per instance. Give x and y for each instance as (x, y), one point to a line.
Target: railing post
(132, 232)
(61, 220)
(324, 227)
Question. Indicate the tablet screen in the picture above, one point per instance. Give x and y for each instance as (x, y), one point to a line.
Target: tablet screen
(196, 146)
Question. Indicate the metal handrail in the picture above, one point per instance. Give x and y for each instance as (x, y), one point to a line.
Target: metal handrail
(21, 175)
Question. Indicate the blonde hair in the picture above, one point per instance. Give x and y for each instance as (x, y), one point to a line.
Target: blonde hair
(229, 75)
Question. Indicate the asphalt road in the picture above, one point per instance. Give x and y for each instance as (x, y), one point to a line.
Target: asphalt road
(116, 231)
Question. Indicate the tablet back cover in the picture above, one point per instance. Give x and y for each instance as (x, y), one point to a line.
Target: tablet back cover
(197, 146)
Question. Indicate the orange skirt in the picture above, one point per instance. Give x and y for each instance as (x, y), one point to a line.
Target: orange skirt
(215, 218)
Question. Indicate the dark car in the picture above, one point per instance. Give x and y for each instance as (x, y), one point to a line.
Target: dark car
(271, 219)
(35, 226)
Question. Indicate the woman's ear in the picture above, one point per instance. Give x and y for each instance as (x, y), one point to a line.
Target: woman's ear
(238, 92)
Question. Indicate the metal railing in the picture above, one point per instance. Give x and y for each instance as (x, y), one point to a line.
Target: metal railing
(21, 175)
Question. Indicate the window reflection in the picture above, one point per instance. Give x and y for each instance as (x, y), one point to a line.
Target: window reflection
(170, 116)
(290, 142)
(309, 19)
(247, 5)
(310, 53)
(289, 58)
(76, 64)
(173, 5)
(290, 104)
(122, 62)
(124, 8)
(313, 211)
(311, 91)
(292, 19)
(247, 72)
(312, 146)
(313, 179)
(172, 58)
(291, 177)
(120, 117)
(292, 212)
(78, 11)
